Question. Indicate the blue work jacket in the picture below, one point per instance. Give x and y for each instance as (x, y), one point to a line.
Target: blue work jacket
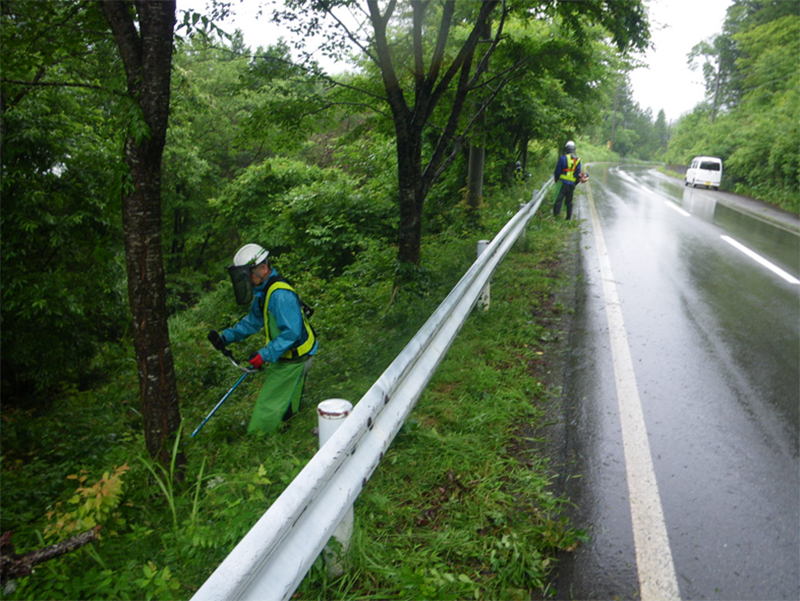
(284, 306)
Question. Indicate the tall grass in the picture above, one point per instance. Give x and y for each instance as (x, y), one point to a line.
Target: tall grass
(460, 507)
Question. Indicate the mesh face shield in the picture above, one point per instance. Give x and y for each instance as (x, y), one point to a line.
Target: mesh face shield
(242, 285)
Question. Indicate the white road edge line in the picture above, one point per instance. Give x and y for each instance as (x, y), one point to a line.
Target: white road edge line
(657, 578)
(675, 207)
(759, 259)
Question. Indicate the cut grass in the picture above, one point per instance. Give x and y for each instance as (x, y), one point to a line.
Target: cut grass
(460, 507)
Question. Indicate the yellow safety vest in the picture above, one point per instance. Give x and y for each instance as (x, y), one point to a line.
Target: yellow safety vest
(568, 174)
(272, 326)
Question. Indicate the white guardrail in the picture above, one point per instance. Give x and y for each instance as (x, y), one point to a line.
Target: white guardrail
(275, 555)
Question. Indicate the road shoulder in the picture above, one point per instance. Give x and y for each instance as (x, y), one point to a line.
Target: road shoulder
(755, 208)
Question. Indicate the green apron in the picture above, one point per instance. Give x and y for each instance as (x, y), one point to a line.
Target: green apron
(282, 389)
(557, 190)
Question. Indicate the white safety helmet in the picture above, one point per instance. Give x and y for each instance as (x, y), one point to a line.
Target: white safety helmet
(250, 254)
(244, 260)
(569, 146)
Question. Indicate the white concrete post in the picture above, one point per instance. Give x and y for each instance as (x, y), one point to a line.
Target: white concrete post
(483, 299)
(330, 415)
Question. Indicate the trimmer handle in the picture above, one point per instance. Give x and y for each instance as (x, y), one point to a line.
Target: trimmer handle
(218, 343)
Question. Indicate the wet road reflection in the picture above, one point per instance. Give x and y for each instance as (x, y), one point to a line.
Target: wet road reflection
(715, 342)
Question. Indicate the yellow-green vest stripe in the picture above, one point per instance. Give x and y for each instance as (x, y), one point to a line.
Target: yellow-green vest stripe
(272, 326)
(569, 172)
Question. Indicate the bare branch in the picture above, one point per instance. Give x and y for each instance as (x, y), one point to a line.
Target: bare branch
(362, 105)
(419, 9)
(459, 142)
(465, 53)
(350, 35)
(13, 566)
(441, 41)
(354, 88)
(130, 44)
(391, 83)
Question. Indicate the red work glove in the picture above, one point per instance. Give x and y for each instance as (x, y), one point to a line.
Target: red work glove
(255, 360)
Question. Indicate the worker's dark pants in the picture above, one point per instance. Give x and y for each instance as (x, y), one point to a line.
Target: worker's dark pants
(565, 194)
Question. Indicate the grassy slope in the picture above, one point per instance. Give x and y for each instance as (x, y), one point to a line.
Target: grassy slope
(460, 506)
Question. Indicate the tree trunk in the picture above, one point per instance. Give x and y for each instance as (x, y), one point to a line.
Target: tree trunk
(477, 158)
(477, 149)
(612, 141)
(410, 200)
(416, 180)
(146, 53)
(716, 94)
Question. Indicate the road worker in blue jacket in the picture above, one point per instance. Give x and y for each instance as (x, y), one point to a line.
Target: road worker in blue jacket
(567, 176)
(290, 340)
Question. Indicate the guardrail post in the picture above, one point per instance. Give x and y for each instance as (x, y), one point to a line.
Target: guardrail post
(330, 415)
(524, 232)
(483, 299)
(272, 559)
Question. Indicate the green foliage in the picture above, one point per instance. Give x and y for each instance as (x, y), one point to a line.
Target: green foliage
(61, 249)
(91, 572)
(146, 581)
(756, 136)
(230, 478)
(337, 221)
(95, 505)
(321, 218)
(591, 153)
(207, 146)
(459, 507)
(165, 477)
(246, 160)
(630, 131)
(155, 583)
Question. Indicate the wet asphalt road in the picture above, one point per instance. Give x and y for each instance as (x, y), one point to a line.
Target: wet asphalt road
(714, 342)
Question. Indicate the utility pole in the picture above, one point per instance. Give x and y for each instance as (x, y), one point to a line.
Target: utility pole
(477, 148)
(614, 120)
(716, 93)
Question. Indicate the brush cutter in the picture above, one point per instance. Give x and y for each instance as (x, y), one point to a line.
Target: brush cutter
(216, 341)
(222, 400)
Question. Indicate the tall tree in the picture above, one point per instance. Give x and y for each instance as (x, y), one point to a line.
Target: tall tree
(660, 135)
(717, 58)
(430, 84)
(477, 147)
(430, 63)
(143, 31)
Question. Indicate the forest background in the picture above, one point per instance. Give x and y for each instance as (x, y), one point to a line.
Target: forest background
(262, 149)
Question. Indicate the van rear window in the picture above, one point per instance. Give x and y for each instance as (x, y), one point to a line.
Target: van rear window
(709, 166)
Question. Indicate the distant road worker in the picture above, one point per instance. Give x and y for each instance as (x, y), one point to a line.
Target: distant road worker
(567, 176)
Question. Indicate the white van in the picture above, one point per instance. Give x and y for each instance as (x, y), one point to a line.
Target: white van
(704, 171)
